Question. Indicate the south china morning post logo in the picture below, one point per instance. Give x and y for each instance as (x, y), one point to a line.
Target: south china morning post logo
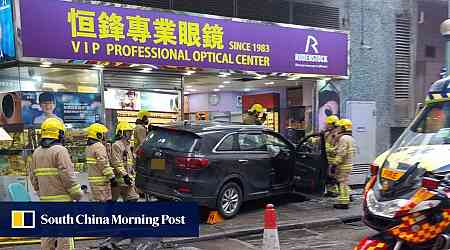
(40, 219)
(23, 219)
(311, 57)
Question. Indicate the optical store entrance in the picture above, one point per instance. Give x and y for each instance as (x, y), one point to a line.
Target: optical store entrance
(287, 102)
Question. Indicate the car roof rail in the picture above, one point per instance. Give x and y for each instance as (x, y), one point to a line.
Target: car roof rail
(240, 127)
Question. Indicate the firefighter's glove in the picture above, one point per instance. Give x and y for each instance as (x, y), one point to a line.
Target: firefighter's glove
(127, 180)
(332, 169)
(114, 182)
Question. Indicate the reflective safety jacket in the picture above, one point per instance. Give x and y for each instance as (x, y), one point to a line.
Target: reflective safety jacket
(140, 133)
(345, 151)
(99, 170)
(122, 160)
(52, 175)
(330, 145)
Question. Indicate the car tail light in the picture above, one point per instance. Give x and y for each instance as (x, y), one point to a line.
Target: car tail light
(140, 152)
(430, 183)
(374, 169)
(184, 189)
(191, 163)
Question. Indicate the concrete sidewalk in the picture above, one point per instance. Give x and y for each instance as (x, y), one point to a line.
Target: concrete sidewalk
(291, 213)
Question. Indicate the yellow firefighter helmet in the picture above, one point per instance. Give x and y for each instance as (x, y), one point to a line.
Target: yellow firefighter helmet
(122, 127)
(52, 128)
(143, 113)
(96, 131)
(346, 124)
(258, 108)
(332, 119)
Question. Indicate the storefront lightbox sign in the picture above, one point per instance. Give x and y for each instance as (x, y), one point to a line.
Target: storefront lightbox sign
(122, 99)
(7, 47)
(67, 30)
(77, 109)
(159, 102)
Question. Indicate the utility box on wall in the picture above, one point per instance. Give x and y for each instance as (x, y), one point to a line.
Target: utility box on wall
(363, 116)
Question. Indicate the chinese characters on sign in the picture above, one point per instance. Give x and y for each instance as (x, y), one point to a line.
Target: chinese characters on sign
(161, 31)
(132, 35)
(87, 24)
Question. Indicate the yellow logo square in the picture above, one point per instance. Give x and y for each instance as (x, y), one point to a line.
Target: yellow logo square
(22, 219)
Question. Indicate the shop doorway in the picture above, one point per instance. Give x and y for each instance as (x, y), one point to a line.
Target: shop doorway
(288, 103)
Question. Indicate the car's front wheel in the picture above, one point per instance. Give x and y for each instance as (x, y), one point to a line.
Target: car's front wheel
(229, 200)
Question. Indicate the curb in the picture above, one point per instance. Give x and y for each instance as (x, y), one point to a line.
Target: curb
(259, 230)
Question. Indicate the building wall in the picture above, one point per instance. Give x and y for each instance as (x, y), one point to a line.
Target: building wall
(428, 68)
(371, 24)
(228, 102)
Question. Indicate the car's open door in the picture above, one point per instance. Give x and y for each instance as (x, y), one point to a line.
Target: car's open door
(311, 166)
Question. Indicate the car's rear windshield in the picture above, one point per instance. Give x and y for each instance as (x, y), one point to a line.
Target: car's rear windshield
(169, 139)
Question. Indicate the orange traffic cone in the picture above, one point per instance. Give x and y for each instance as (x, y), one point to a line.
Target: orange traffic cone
(270, 239)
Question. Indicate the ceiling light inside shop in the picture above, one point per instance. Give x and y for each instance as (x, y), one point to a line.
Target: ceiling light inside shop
(227, 82)
(152, 66)
(187, 92)
(146, 70)
(192, 90)
(224, 74)
(221, 86)
(189, 86)
(216, 90)
(269, 83)
(260, 76)
(247, 89)
(98, 67)
(189, 72)
(46, 64)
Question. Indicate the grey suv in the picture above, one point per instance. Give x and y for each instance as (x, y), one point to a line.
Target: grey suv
(221, 166)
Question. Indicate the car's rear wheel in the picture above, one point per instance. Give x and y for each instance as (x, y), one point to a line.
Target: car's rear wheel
(229, 200)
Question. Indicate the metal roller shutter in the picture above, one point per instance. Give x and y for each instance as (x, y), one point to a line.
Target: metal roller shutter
(316, 15)
(402, 83)
(264, 10)
(112, 79)
(212, 7)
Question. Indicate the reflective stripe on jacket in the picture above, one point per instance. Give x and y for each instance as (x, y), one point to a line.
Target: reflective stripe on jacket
(99, 170)
(52, 174)
(122, 160)
(345, 151)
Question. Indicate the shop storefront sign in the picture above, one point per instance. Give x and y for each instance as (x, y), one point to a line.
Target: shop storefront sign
(67, 30)
(77, 109)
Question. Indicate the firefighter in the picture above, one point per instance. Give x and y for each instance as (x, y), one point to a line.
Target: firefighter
(52, 175)
(123, 164)
(140, 131)
(100, 175)
(345, 150)
(252, 117)
(330, 143)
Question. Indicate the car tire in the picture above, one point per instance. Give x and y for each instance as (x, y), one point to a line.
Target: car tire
(229, 200)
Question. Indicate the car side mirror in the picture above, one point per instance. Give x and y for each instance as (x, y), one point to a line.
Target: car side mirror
(274, 151)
